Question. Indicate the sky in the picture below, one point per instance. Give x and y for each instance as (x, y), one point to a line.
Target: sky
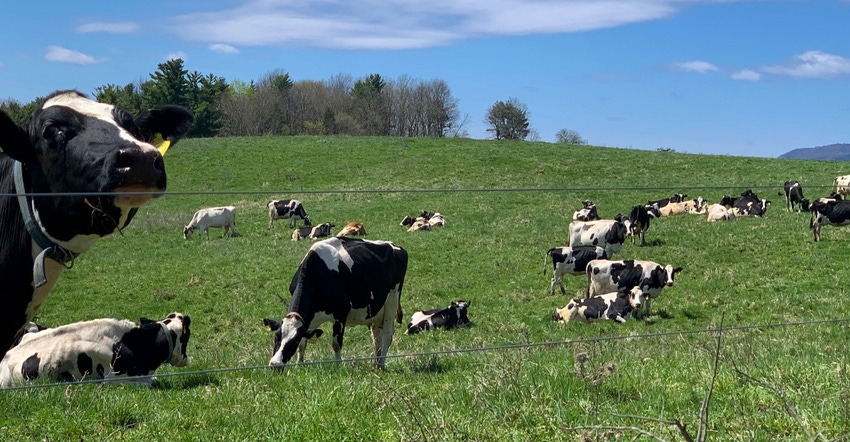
(748, 78)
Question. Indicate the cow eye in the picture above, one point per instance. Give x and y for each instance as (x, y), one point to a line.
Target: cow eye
(58, 133)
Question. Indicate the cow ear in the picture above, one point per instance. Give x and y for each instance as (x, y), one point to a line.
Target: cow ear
(14, 140)
(144, 321)
(271, 324)
(186, 321)
(162, 126)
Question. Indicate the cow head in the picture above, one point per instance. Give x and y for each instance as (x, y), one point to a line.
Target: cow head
(73, 144)
(670, 274)
(177, 327)
(461, 308)
(287, 336)
(635, 296)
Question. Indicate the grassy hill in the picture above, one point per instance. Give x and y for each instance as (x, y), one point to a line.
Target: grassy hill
(506, 204)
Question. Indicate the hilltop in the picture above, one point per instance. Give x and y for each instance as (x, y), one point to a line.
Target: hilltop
(834, 152)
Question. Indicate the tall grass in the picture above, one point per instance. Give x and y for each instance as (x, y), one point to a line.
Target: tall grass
(756, 271)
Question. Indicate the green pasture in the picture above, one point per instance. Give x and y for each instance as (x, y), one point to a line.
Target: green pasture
(782, 373)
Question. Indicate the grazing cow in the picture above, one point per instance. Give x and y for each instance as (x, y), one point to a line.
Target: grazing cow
(676, 198)
(453, 316)
(719, 212)
(794, 196)
(830, 213)
(638, 222)
(88, 151)
(349, 281)
(617, 306)
(609, 276)
(572, 260)
(314, 232)
(98, 349)
(587, 213)
(218, 217)
(352, 228)
(842, 184)
(606, 233)
(292, 210)
(309, 336)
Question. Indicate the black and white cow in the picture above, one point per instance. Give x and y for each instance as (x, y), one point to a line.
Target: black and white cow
(455, 315)
(310, 336)
(587, 213)
(832, 212)
(638, 222)
(794, 197)
(609, 276)
(608, 234)
(322, 230)
(110, 349)
(572, 260)
(71, 144)
(675, 198)
(616, 306)
(348, 281)
(749, 204)
(842, 184)
(292, 210)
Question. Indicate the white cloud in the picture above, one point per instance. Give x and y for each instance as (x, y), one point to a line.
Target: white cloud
(175, 55)
(63, 55)
(746, 75)
(812, 64)
(123, 27)
(695, 66)
(223, 48)
(405, 24)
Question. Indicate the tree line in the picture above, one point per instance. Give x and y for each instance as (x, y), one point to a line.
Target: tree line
(277, 105)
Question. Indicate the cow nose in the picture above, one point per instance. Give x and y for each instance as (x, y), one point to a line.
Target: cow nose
(277, 365)
(140, 167)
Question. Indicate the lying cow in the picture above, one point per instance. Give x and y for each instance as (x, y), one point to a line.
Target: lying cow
(587, 213)
(425, 221)
(322, 230)
(676, 198)
(719, 212)
(348, 281)
(831, 213)
(453, 316)
(695, 206)
(608, 234)
(352, 228)
(617, 306)
(98, 349)
(71, 145)
(749, 204)
(794, 197)
(572, 260)
(292, 210)
(218, 217)
(609, 276)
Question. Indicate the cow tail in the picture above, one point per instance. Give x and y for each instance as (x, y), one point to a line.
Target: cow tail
(545, 259)
(398, 312)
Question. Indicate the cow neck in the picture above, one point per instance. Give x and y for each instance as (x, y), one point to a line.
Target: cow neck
(49, 248)
(170, 341)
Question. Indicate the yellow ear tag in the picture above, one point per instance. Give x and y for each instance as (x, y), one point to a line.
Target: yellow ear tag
(160, 144)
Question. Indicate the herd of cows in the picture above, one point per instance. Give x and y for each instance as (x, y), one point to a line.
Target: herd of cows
(105, 164)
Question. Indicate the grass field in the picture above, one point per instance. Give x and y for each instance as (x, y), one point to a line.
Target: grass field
(506, 204)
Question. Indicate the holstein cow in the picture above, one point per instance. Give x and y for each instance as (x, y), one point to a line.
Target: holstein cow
(292, 210)
(608, 234)
(456, 315)
(830, 213)
(794, 196)
(719, 212)
(98, 349)
(695, 206)
(415, 224)
(842, 184)
(352, 228)
(315, 232)
(749, 204)
(617, 306)
(609, 276)
(310, 336)
(572, 260)
(348, 281)
(71, 144)
(587, 213)
(676, 198)
(638, 222)
(218, 217)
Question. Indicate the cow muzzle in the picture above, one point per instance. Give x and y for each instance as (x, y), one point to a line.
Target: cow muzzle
(141, 172)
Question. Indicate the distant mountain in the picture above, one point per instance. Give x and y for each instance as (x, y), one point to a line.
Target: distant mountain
(839, 152)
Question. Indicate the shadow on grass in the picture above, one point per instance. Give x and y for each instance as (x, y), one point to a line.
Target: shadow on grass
(187, 382)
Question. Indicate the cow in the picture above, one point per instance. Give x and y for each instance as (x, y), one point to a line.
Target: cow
(572, 260)
(352, 228)
(749, 204)
(617, 306)
(842, 184)
(455, 315)
(638, 222)
(437, 220)
(608, 276)
(309, 336)
(676, 198)
(106, 165)
(109, 349)
(292, 210)
(313, 232)
(719, 212)
(348, 281)
(794, 197)
(218, 217)
(831, 213)
(674, 208)
(415, 224)
(587, 213)
(608, 234)
(695, 206)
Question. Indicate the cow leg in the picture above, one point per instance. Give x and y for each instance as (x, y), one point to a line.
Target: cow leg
(302, 347)
(336, 340)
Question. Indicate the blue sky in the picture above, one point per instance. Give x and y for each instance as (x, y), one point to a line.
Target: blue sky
(754, 78)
